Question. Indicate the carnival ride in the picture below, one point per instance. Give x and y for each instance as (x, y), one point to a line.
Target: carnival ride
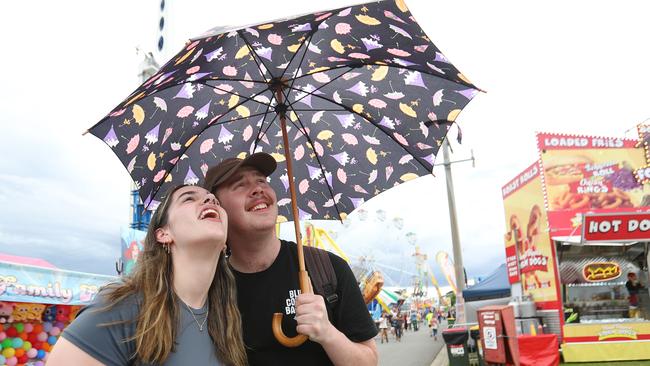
(369, 275)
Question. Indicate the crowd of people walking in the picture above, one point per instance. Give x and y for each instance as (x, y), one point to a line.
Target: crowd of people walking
(396, 322)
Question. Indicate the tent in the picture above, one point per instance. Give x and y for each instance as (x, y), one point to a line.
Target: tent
(496, 285)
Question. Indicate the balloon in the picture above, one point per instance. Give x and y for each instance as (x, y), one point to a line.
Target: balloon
(41, 354)
(23, 336)
(51, 340)
(8, 352)
(12, 332)
(6, 343)
(23, 359)
(19, 352)
(32, 353)
(42, 336)
(27, 345)
(60, 325)
(47, 326)
(55, 331)
(3, 335)
(2, 360)
(39, 363)
(29, 327)
(19, 327)
(37, 345)
(17, 343)
(37, 328)
(11, 361)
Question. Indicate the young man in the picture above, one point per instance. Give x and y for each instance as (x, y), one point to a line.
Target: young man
(266, 271)
(633, 287)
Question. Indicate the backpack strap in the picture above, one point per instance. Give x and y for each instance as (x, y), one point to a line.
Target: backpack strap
(322, 274)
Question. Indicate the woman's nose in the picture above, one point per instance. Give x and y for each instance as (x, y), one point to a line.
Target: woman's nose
(210, 198)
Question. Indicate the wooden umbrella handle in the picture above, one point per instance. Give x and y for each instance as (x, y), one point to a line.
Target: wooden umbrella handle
(305, 287)
(303, 276)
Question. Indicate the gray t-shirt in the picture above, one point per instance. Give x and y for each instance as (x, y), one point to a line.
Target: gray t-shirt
(107, 344)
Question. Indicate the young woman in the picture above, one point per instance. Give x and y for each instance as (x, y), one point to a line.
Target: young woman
(177, 308)
(383, 327)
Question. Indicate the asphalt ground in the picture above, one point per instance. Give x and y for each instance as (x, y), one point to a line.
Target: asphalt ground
(415, 349)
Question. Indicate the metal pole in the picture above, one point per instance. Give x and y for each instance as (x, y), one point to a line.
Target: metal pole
(455, 239)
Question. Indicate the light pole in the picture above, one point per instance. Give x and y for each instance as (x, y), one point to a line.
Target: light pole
(455, 237)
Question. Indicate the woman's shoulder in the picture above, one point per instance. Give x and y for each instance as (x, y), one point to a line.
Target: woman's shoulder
(116, 303)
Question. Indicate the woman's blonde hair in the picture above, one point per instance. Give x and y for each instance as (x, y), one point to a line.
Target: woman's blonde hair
(158, 319)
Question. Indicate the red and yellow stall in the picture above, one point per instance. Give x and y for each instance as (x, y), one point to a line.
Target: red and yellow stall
(578, 223)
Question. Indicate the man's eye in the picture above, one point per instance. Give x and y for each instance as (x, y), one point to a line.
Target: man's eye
(188, 198)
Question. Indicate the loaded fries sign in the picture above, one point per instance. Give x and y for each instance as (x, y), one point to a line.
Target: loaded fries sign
(590, 174)
(618, 227)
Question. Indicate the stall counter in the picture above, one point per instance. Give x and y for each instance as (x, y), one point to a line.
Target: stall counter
(614, 340)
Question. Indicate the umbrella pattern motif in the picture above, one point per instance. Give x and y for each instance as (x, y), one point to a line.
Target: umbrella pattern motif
(368, 99)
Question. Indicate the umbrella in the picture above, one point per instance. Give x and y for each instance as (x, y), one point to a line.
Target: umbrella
(358, 97)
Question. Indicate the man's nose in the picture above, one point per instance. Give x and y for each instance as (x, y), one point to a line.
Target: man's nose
(257, 190)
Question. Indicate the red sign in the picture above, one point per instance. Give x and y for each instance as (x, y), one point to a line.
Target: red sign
(616, 227)
(511, 264)
(555, 141)
(589, 174)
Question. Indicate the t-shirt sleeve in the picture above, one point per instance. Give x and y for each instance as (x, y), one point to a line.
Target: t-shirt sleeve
(352, 316)
(105, 343)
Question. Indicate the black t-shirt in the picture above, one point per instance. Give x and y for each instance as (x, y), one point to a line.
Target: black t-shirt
(275, 289)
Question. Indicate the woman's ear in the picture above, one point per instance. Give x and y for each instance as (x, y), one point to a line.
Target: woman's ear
(163, 236)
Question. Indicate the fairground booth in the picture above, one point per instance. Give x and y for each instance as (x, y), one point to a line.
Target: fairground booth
(37, 301)
(578, 228)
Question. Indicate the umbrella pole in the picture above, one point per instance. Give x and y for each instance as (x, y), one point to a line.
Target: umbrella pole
(303, 276)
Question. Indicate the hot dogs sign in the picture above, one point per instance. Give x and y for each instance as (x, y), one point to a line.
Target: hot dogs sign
(528, 247)
(589, 173)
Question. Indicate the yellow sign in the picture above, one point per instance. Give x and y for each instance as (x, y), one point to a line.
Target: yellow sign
(527, 238)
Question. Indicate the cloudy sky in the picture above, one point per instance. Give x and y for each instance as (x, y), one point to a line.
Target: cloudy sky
(572, 67)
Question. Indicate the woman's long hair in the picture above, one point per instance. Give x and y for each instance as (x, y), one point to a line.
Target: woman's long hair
(158, 319)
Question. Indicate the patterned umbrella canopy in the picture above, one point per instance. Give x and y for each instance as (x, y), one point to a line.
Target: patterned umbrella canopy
(367, 97)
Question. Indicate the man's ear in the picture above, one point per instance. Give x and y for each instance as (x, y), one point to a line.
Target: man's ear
(163, 236)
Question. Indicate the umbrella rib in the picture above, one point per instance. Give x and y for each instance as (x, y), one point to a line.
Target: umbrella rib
(320, 109)
(371, 120)
(239, 95)
(352, 66)
(165, 88)
(267, 128)
(426, 72)
(240, 80)
(238, 119)
(308, 36)
(306, 44)
(155, 192)
(320, 165)
(315, 90)
(255, 56)
(259, 132)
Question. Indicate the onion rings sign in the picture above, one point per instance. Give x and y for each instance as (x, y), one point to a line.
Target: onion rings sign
(616, 227)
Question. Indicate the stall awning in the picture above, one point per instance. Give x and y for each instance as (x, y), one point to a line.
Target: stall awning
(496, 285)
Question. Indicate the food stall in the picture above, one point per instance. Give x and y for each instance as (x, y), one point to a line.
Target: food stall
(592, 184)
(595, 220)
(36, 304)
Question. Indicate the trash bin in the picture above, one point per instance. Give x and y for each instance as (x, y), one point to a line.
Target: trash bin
(450, 322)
(456, 341)
(475, 334)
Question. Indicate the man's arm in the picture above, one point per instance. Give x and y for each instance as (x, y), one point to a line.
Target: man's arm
(311, 315)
